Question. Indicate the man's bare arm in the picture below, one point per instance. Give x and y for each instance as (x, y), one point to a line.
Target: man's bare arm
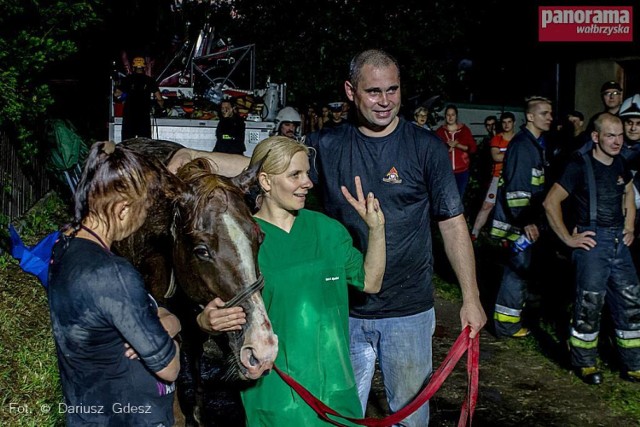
(223, 164)
(457, 245)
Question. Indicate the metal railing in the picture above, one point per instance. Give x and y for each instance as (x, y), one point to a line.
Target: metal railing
(21, 185)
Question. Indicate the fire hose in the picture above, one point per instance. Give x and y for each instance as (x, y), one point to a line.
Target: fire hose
(462, 344)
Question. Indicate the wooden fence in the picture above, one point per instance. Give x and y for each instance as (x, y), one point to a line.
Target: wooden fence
(21, 185)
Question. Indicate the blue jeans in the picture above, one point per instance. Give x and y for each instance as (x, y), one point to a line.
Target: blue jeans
(402, 346)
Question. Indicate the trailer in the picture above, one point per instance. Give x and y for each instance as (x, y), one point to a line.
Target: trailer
(202, 73)
(196, 134)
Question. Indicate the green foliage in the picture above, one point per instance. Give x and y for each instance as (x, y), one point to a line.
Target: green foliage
(33, 36)
(447, 290)
(47, 216)
(624, 399)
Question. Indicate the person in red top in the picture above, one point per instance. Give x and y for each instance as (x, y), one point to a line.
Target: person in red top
(460, 140)
(498, 145)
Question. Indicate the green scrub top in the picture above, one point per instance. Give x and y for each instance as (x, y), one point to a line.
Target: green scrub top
(306, 274)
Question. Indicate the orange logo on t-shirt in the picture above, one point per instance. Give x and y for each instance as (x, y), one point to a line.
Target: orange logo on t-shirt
(392, 176)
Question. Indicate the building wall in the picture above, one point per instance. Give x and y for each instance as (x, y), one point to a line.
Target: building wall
(590, 75)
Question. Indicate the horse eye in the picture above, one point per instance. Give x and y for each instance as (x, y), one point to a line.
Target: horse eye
(202, 252)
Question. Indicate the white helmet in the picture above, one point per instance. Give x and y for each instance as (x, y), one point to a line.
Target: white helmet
(288, 114)
(630, 107)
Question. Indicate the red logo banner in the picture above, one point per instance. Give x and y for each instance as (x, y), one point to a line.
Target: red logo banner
(585, 24)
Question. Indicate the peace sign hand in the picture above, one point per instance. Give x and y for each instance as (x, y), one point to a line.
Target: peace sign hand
(367, 207)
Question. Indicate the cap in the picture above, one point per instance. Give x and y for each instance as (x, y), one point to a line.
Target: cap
(610, 85)
(335, 106)
(630, 107)
(576, 113)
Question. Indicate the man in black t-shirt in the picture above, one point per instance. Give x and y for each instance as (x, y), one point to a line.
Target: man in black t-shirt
(600, 242)
(407, 168)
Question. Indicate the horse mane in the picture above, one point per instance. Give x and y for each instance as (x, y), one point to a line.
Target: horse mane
(202, 182)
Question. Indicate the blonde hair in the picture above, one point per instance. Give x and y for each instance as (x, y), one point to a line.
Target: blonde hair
(532, 102)
(276, 153)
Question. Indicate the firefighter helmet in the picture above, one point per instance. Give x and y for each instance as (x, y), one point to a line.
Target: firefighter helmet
(630, 107)
(288, 114)
(138, 62)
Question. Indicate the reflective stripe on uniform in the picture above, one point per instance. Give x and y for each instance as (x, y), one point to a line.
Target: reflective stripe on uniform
(506, 315)
(628, 339)
(518, 199)
(586, 341)
(537, 177)
(504, 231)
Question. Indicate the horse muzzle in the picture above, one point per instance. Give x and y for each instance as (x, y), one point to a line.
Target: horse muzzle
(260, 345)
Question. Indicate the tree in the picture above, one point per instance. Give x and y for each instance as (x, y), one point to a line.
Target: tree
(34, 35)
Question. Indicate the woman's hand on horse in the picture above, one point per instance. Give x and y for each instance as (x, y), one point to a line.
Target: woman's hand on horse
(367, 207)
(216, 319)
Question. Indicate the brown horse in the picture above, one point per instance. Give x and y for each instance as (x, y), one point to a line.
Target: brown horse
(199, 242)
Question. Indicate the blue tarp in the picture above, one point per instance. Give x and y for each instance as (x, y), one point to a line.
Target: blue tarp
(34, 259)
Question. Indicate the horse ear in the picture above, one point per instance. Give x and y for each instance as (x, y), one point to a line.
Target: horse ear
(248, 177)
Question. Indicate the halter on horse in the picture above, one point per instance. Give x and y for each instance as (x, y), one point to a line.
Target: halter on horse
(201, 232)
(215, 254)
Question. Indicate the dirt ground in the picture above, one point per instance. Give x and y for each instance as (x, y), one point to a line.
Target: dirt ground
(523, 382)
(519, 386)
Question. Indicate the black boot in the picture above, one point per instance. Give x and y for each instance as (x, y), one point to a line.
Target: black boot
(589, 374)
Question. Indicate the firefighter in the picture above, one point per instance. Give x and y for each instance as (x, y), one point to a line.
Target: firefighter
(135, 92)
(519, 214)
(288, 123)
(599, 183)
(230, 131)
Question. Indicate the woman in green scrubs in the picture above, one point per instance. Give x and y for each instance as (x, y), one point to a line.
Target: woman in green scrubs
(307, 259)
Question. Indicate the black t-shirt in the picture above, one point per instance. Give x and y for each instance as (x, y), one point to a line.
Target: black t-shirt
(610, 187)
(409, 172)
(230, 136)
(139, 88)
(136, 115)
(98, 302)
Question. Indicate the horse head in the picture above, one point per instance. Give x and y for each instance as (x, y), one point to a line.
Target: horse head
(215, 254)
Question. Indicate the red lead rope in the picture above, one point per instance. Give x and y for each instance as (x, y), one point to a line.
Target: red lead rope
(462, 344)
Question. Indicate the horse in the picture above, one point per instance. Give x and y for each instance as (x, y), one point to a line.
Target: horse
(199, 242)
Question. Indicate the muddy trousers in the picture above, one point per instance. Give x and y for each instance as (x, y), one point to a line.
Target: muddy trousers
(507, 315)
(606, 273)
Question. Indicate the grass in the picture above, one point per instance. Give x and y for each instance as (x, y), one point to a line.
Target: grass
(27, 353)
(28, 364)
